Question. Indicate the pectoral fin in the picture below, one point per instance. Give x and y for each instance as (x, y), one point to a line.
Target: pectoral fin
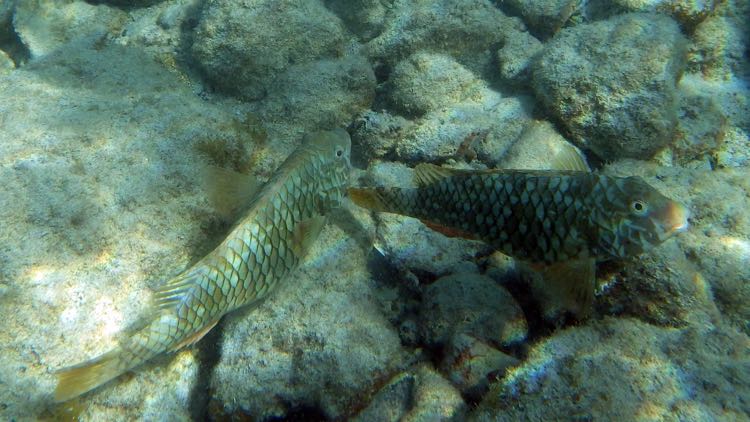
(305, 233)
(574, 283)
(229, 191)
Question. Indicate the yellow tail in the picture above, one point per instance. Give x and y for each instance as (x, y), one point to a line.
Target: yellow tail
(369, 198)
(76, 380)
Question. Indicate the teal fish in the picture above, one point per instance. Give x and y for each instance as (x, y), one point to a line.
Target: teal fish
(559, 221)
(266, 244)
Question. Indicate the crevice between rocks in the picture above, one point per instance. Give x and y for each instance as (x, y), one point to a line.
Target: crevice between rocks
(208, 356)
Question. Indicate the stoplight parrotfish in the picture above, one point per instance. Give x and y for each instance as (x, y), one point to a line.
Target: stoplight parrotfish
(269, 240)
(560, 222)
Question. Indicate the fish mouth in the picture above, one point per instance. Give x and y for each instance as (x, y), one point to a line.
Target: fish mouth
(676, 218)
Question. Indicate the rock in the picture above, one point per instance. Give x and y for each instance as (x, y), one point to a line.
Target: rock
(6, 63)
(538, 148)
(621, 369)
(718, 48)
(365, 18)
(99, 200)
(376, 135)
(701, 125)
(427, 82)
(515, 57)
(469, 31)
(243, 46)
(543, 17)
(420, 394)
(460, 117)
(320, 342)
(470, 304)
(44, 27)
(320, 94)
(688, 13)
(612, 84)
(471, 364)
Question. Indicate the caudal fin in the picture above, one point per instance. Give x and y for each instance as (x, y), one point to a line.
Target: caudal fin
(370, 198)
(76, 380)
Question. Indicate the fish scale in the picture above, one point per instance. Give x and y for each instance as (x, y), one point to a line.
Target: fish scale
(265, 245)
(537, 216)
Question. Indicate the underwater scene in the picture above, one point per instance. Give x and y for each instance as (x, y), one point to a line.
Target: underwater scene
(375, 210)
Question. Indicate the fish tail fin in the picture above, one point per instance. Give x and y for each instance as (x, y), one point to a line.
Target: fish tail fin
(76, 380)
(375, 199)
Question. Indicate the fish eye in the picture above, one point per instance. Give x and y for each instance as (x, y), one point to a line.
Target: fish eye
(339, 152)
(639, 207)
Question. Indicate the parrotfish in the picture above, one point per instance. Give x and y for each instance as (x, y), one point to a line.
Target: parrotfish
(266, 244)
(560, 222)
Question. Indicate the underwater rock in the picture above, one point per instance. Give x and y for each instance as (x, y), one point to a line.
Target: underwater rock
(100, 200)
(420, 394)
(470, 31)
(45, 26)
(543, 17)
(701, 125)
(537, 148)
(365, 18)
(688, 13)
(515, 57)
(612, 84)
(718, 48)
(375, 135)
(242, 46)
(622, 369)
(321, 341)
(467, 121)
(321, 94)
(471, 364)
(470, 304)
(427, 82)
(6, 64)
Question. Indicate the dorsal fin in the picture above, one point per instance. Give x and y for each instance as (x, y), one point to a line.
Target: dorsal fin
(426, 174)
(568, 157)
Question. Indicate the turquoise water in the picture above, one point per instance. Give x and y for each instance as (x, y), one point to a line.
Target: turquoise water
(110, 111)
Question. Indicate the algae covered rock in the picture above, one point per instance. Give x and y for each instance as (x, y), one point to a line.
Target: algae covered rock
(622, 369)
(365, 18)
(45, 26)
(467, 30)
(427, 82)
(321, 341)
(470, 304)
(420, 394)
(612, 84)
(544, 17)
(242, 46)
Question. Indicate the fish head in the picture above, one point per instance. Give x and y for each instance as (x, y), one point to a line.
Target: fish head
(637, 217)
(332, 150)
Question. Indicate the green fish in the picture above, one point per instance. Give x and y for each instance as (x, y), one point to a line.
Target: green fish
(559, 221)
(266, 244)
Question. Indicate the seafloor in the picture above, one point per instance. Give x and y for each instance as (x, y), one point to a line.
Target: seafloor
(110, 108)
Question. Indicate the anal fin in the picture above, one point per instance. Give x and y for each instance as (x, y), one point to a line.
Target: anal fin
(574, 283)
(448, 231)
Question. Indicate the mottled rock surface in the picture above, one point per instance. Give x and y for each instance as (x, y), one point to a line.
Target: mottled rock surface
(621, 369)
(612, 84)
(242, 46)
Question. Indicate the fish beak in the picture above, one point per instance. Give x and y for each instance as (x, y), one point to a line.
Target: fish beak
(676, 218)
